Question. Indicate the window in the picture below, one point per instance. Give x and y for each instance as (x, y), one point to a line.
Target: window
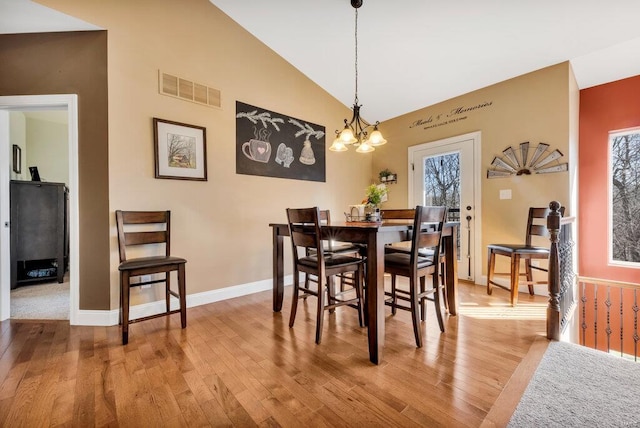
(624, 194)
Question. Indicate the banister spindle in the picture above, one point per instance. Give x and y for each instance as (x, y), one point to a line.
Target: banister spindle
(608, 330)
(553, 309)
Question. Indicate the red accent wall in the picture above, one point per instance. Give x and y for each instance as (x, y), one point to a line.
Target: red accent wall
(604, 108)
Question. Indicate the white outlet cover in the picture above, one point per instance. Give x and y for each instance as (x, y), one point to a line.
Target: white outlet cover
(505, 194)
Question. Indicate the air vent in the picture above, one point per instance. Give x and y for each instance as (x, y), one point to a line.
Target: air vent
(188, 90)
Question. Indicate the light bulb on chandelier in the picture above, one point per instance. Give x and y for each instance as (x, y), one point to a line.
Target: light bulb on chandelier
(355, 131)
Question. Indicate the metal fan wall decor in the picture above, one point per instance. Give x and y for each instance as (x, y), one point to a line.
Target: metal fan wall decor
(518, 162)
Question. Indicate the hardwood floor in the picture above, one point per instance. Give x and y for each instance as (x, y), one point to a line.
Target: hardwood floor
(238, 364)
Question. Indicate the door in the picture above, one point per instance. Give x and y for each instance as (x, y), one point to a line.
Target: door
(5, 160)
(446, 172)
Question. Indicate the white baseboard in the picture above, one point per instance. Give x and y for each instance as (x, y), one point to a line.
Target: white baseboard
(112, 317)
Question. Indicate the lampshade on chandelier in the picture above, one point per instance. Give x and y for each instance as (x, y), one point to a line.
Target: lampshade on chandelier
(356, 131)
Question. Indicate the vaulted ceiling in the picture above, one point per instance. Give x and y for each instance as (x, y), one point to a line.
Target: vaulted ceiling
(415, 53)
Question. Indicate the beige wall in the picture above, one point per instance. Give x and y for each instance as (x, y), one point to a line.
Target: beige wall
(533, 107)
(220, 226)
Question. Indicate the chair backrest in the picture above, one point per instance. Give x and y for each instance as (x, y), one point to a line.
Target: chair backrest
(537, 223)
(304, 228)
(324, 217)
(427, 231)
(398, 214)
(140, 234)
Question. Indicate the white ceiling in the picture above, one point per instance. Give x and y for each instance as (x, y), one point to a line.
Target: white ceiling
(415, 53)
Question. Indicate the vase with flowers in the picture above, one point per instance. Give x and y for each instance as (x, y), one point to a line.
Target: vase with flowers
(375, 195)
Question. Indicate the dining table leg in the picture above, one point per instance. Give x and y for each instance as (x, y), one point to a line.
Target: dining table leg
(375, 297)
(278, 269)
(451, 268)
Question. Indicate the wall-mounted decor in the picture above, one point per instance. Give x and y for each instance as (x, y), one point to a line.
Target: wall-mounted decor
(387, 176)
(518, 162)
(275, 145)
(17, 159)
(180, 150)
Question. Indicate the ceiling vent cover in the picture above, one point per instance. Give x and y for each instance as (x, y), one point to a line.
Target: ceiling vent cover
(188, 90)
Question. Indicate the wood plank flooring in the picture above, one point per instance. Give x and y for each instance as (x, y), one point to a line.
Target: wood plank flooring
(238, 364)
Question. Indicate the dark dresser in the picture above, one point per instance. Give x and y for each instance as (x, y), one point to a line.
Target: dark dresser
(39, 232)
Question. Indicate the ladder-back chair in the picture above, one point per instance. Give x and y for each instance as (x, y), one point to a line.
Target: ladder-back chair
(142, 228)
(536, 226)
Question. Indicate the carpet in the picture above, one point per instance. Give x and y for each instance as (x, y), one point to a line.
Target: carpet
(575, 386)
(42, 302)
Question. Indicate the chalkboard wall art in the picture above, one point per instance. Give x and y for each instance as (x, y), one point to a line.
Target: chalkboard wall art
(275, 145)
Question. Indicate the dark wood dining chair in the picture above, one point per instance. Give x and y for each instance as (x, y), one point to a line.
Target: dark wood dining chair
(427, 234)
(536, 226)
(331, 246)
(404, 215)
(141, 228)
(304, 228)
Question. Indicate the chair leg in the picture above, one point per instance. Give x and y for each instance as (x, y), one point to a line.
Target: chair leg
(182, 291)
(360, 294)
(491, 257)
(393, 293)
(296, 293)
(167, 295)
(414, 312)
(320, 314)
(515, 278)
(443, 285)
(529, 273)
(436, 301)
(423, 301)
(331, 292)
(124, 298)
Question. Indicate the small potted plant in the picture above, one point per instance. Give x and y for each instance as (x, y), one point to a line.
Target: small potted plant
(384, 175)
(375, 194)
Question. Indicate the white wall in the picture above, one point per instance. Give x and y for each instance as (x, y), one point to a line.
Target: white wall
(43, 139)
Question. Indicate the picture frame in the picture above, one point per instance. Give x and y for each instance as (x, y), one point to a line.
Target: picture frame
(17, 159)
(180, 150)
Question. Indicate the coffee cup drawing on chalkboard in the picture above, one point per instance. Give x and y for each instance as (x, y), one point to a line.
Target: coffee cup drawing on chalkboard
(259, 148)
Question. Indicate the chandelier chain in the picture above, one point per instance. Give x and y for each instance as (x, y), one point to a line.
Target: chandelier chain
(357, 131)
(356, 62)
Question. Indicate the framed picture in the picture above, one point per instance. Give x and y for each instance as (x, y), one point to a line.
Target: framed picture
(180, 150)
(17, 159)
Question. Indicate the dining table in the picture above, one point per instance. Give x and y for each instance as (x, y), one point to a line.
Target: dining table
(375, 235)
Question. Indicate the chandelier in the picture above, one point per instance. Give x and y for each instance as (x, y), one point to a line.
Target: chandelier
(355, 132)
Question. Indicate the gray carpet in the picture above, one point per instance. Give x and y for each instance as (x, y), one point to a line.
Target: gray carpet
(43, 302)
(575, 386)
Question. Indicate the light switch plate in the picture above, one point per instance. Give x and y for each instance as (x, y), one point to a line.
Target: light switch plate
(505, 194)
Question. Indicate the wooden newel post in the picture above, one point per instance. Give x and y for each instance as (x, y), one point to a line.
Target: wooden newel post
(553, 310)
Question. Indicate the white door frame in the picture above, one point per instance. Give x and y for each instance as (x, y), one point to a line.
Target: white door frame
(39, 102)
(477, 175)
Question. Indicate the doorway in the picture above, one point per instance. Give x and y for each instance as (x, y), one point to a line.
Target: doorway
(38, 103)
(447, 172)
